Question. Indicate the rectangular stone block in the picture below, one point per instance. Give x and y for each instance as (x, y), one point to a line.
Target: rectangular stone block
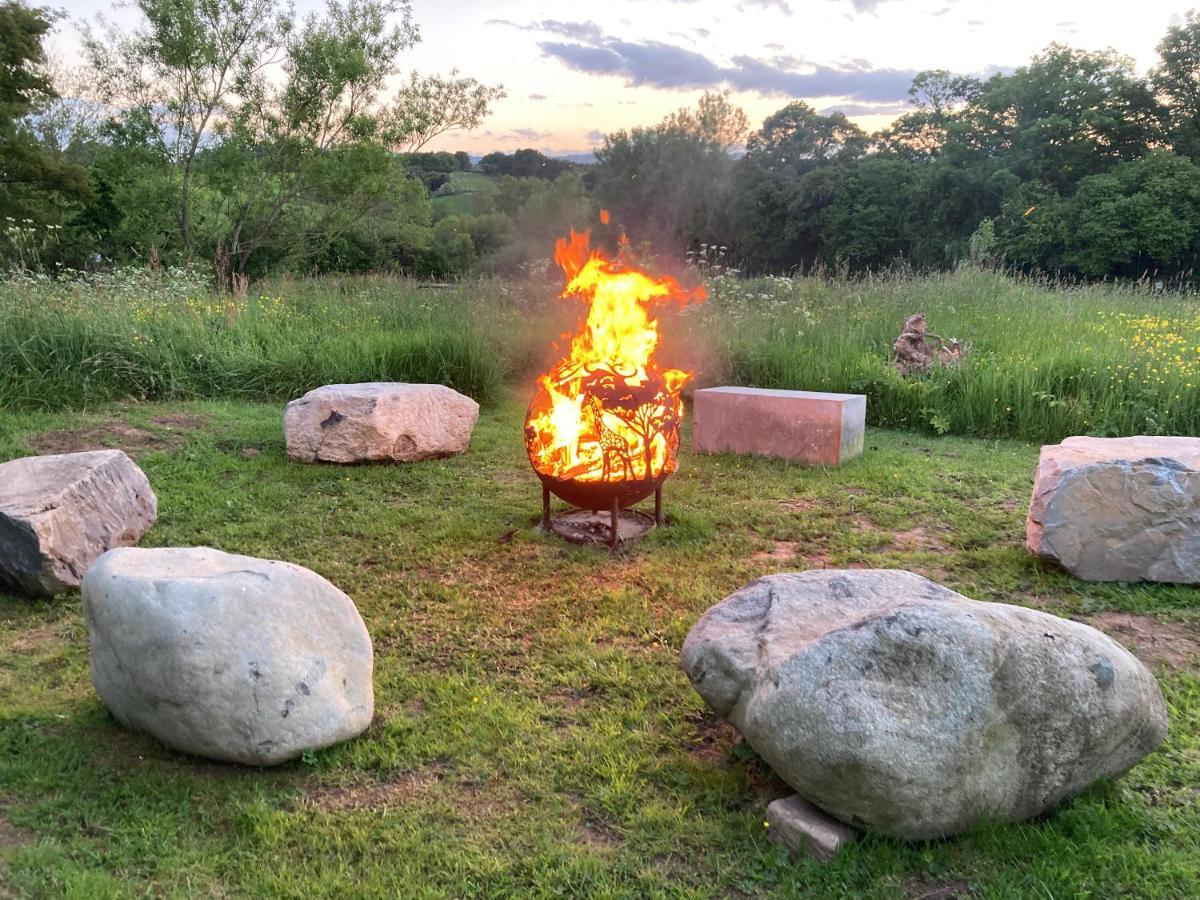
(810, 427)
(805, 830)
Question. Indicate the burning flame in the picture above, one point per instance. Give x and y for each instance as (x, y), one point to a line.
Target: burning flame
(606, 412)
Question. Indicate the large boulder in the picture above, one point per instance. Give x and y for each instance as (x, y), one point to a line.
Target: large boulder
(59, 513)
(378, 421)
(899, 706)
(229, 657)
(1119, 509)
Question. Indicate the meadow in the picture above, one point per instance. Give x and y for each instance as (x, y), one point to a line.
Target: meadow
(534, 735)
(1045, 361)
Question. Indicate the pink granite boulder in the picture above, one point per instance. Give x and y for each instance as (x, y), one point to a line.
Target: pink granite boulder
(1119, 509)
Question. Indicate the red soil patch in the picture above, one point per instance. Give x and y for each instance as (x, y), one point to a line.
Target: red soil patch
(1173, 644)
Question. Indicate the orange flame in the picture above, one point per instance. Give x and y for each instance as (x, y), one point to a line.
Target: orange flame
(606, 412)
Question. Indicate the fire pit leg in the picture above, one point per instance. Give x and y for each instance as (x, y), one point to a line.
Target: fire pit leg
(658, 515)
(616, 524)
(545, 507)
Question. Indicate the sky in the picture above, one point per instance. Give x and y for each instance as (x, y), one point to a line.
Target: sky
(574, 71)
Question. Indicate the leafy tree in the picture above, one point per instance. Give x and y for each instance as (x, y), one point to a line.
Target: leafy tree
(431, 106)
(867, 222)
(186, 64)
(781, 190)
(1177, 79)
(34, 181)
(670, 183)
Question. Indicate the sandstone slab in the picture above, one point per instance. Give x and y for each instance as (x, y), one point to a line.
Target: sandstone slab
(378, 422)
(228, 657)
(804, 830)
(809, 427)
(1119, 509)
(899, 706)
(58, 513)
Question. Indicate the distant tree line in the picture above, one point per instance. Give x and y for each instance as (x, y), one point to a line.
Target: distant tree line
(233, 133)
(1073, 164)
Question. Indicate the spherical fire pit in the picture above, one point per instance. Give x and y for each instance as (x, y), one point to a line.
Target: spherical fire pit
(602, 431)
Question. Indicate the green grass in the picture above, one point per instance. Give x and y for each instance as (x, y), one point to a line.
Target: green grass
(1045, 362)
(164, 338)
(471, 194)
(535, 736)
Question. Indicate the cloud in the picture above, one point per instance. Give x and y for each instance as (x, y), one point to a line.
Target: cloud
(660, 65)
(595, 135)
(702, 32)
(867, 109)
(522, 135)
(580, 31)
(538, 97)
(780, 5)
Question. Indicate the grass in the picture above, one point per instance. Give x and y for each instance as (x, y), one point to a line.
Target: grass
(535, 736)
(1045, 361)
(160, 337)
(471, 193)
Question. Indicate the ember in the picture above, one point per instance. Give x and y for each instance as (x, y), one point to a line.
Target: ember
(602, 430)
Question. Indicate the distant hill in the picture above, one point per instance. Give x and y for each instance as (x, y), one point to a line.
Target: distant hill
(587, 158)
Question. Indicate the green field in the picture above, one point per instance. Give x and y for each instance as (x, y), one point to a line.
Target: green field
(534, 734)
(471, 194)
(1045, 361)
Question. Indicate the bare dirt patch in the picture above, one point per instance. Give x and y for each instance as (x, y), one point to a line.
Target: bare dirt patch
(918, 540)
(41, 637)
(799, 504)
(714, 739)
(181, 421)
(107, 436)
(373, 794)
(793, 552)
(1173, 644)
(958, 889)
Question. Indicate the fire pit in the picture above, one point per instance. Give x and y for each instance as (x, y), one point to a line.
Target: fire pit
(602, 431)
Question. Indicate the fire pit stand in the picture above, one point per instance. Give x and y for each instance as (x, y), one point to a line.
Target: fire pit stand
(612, 523)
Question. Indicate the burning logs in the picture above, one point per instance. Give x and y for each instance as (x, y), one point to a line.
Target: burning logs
(602, 430)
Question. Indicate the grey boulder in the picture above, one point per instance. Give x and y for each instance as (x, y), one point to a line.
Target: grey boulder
(902, 707)
(378, 422)
(59, 513)
(1119, 509)
(229, 657)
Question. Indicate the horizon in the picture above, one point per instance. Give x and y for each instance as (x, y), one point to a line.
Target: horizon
(571, 81)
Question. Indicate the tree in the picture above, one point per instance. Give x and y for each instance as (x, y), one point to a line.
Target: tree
(32, 178)
(781, 188)
(670, 183)
(1177, 79)
(187, 64)
(430, 106)
(334, 65)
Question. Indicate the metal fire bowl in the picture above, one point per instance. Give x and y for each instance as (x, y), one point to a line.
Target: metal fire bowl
(598, 495)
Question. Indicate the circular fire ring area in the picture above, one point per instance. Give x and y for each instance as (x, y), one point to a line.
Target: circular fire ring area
(583, 526)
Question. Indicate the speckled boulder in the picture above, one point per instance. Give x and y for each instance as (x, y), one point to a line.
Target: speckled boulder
(59, 513)
(902, 707)
(378, 422)
(230, 657)
(1119, 509)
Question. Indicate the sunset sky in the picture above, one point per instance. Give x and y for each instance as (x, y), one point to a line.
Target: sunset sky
(575, 71)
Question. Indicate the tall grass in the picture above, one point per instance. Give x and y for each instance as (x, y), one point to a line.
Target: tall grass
(1046, 361)
(156, 337)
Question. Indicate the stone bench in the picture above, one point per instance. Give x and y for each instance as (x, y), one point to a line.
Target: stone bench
(810, 427)
(1119, 509)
